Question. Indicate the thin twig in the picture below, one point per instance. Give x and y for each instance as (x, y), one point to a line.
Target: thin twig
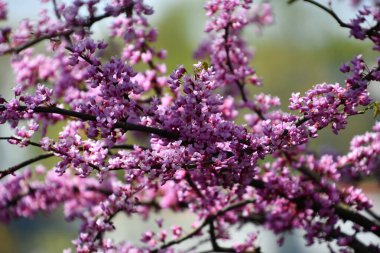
(14, 168)
(205, 222)
(65, 33)
(87, 117)
(229, 62)
(239, 84)
(128, 146)
(56, 11)
(328, 10)
(31, 143)
(214, 243)
(194, 186)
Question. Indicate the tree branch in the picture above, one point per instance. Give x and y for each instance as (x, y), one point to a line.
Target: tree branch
(87, 117)
(31, 143)
(214, 243)
(56, 11)
(14, 168)
(328, 10)
(204, 224)
(66, 33)
(229, 63)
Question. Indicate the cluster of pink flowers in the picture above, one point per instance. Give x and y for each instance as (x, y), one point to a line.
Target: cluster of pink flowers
(3, 10)
(225, 47)
(195, 157)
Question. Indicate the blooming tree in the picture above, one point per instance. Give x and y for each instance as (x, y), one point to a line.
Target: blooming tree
(198, 159)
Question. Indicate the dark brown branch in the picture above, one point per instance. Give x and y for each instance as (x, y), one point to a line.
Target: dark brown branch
(239, 84)
(373, 214)
(182, 239)
(13, 202)
(357, 218)
(31, 143)
(87, 117)
(253, 218)
(56, 11)
(194, 186)
(127, 146)
(371, 32)
(374, 31)
(341, 211)
(369, 76)
(345, 213)
(99, 235)
(121, 146)
(326, 9)
(51, 149)
(35, 41)
(194, 247)
(214, 243)
(229, 63)
(86, 59)
(355, 244)
(204, 224)
(66, 33)
(14, 168)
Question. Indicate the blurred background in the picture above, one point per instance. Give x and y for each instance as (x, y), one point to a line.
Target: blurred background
(304, 47)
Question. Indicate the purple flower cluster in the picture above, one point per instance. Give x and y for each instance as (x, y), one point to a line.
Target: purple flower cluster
(359, 25)
(3, 10)
(138, 37)
(330, 103)
(192, 154)
(226, 48)
(362, 157)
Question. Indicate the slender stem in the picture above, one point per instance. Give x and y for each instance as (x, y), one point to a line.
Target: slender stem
(99, 235)
(86, 59)
(65, 33)
(89, 61)
(182, 239)
(51, 149)
(373, 31)
(17, 139)
(14, 168)
(355, 244)
(328, 10)
(229, 62)
(127, 146)
(204, 224)
(87, 117)
(152, 66)
(357, 218)
(121, 146)
(56, 11)
(194, 186)
(239, 84)
(341, 211)
(214, 243)
(373, 214)
(36, 41)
